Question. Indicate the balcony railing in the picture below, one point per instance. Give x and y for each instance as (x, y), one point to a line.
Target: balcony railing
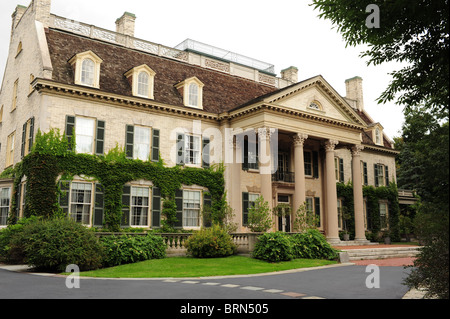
(286, 177)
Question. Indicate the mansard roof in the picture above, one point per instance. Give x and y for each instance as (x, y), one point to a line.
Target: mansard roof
(221, 92)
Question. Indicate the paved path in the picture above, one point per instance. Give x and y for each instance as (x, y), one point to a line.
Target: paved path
(331, 282)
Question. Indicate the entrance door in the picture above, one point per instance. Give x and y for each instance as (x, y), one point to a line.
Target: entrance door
(284, 213)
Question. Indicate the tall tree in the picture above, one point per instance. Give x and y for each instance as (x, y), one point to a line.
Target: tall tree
(415, 32)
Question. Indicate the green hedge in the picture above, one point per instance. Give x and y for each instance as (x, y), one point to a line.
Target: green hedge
(126, 249)
(279, 246)
(211, 243)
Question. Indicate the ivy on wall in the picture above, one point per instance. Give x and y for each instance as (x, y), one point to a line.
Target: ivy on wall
(52, 156)
(373, 196)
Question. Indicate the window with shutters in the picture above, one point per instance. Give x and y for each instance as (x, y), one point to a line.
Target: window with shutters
(142, 143)
(87, 133)
(10, 145)
(189, 149)
(27, 137)
(191, 208)
(384, 215)
(339, 169)
(5, 202)
(313, 208)
(381, 175)
(140, 204)
(80, 202)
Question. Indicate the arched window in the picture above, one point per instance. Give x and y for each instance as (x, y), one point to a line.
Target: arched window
(143, 84)
(193, 94)
(87, 72)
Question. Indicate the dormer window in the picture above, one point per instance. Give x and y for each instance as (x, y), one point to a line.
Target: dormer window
(87, 69)
(141, 79)
(87, 72)
(377, 136)
(192, 91)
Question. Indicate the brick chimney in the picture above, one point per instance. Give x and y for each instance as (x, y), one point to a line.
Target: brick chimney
(354, 89)
(41, 9)
(290, 74)
(125, 24)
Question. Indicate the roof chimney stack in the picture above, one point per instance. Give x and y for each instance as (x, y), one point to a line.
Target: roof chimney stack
(125, 24)
(355, 92)
(17, 15)
(41, 9)
(290, 74)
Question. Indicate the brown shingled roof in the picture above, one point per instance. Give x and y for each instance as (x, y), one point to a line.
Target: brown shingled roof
(222, 92)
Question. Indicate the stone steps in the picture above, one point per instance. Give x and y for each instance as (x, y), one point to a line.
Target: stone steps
(381, 253)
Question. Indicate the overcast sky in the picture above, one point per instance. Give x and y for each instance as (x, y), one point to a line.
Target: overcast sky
(284, 33)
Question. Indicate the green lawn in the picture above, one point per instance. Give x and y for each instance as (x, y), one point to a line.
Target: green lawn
(177, 267)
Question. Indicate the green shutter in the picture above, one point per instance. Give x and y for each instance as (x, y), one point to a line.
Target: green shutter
(386, 170)
(100, 138)
(207, 202)
(129, 141)
(179, 203)
(155, 146)
(24, 139)
(156, 207)
(99, 205)
(31, 135)
(63, 199)
(245, 205)
(18, 200)
(180, 148)
(245, 164)
(317, 209)
(70, 131)
(205, 153)
(341, 170)
(316, 164)
(126, 202)
(366, 179)
(375, 168)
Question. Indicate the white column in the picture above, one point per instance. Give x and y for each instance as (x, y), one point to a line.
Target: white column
(299, 171)
(358, 201)
(332, 230)
(265, 164)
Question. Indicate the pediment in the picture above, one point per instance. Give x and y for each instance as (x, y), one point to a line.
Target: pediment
(317, 97)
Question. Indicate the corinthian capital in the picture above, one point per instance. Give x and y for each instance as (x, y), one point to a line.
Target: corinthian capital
(299, 139)
(264, 133)
(330, 145)
(356, 150)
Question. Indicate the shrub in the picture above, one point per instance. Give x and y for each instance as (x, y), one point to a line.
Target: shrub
(54, 244)
(259, 216)
(312, 244)
(126, 249)
(13, 251)
(211, 243)
(273, 247)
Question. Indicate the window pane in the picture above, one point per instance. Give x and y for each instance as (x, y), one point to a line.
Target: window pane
(5, 195)
(191, 208)
(139, 206)
(193, 95)
(87, 72)
(84, 131)
(80, 202)
(143, 84)
(141, 148)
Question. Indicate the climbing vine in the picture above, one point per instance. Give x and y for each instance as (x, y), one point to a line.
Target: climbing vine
(52, 157)
(373, 196)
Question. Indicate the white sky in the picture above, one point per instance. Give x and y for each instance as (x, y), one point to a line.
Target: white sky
(284, 33)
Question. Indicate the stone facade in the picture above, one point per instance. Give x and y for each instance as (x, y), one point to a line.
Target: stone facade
(316, 129)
